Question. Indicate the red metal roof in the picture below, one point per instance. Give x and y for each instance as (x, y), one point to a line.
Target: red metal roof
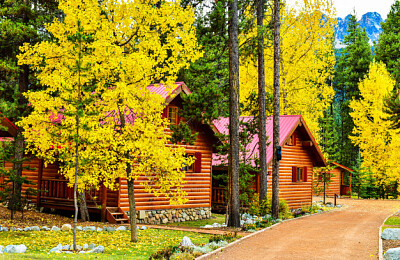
(167, 93)
(163, 90)
(288, 124)
(343, 167)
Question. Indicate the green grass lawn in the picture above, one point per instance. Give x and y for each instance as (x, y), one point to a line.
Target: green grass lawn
(117, 245)
(215, 218)
(392, 221)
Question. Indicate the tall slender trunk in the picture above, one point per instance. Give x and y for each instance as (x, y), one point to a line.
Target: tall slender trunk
(234, 216)
(324, 188)
(77, 143)
(83, 206)
(131, 186)
(76, 177)
(262, 135)
(23, 83)
(275, 161)
(132, 205)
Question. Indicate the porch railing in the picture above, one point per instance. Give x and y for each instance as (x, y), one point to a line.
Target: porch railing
(218, 195)
(57, 189)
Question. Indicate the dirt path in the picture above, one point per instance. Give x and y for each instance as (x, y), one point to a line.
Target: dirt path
(350, 233)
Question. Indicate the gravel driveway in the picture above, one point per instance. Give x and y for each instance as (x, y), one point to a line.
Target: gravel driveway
(349, 233)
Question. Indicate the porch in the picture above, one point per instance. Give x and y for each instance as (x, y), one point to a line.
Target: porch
(55, 193)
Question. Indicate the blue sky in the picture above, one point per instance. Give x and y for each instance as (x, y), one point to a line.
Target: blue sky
(345, 7)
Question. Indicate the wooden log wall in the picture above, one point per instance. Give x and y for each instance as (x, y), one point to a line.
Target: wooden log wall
(31, 175)
(197, 186)
(37, 165)
(334, 186)
(297, 194)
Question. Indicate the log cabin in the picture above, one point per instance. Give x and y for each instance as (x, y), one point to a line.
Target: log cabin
(300, 154)
(340, 181)
(113, 205)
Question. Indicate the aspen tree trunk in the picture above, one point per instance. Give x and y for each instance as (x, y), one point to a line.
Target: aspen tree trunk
(132, 205)
(77, 141)
(262, 135)
(275, 161)
(131, 187)
(234, 216)
(83, 206)
(76, 178)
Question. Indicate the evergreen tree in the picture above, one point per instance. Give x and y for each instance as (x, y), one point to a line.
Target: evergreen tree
(388, 45)
(352, 65)
(20, 21)
(208, 77)
(329, 134)
(386, 50)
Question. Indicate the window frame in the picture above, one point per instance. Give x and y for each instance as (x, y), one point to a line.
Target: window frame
(292, 140)
(189, 169)
(176, 114)
(345, 176)
(298, 171)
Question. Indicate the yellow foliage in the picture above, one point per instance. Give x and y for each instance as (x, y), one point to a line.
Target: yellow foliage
(307, 61)
(98, 66)
(379, 145)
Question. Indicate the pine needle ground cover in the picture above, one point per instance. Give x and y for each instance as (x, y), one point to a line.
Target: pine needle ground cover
(116, 243)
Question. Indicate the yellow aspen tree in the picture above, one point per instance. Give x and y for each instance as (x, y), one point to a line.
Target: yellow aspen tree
(125, 46)
(379, 144)
(307, 61)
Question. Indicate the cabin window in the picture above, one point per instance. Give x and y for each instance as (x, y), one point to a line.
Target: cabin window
(346, 178)
(292, 140)
(299, 174)
(173, 115)
(188, 168)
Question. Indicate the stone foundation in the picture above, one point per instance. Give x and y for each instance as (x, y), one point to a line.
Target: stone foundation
(171, 215)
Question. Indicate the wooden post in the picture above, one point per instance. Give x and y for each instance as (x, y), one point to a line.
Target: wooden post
(39, 183)
(103, 203)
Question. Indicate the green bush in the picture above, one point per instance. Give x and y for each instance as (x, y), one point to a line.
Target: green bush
(182, 256)
(261, 209)
(228, 237)
(165, 253)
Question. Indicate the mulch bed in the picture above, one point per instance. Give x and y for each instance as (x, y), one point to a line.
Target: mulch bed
(387, 244)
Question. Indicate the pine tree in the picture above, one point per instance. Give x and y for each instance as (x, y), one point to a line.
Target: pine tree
(20, 21)
(352, 65)
(328, 133)
(387, 47)
(208, 77)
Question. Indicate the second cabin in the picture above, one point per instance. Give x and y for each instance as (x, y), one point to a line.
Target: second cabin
(300, 154)
(339, 181)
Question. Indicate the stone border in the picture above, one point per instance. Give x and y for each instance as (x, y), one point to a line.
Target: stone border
(380, 237)
(164, 216)
(262, 230)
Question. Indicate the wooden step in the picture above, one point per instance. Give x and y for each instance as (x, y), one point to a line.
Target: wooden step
(116, 215)
(121, 219)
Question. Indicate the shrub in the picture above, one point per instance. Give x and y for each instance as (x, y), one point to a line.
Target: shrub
(228, 237)
(182, 256)
(165, 253)
(263, 208)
